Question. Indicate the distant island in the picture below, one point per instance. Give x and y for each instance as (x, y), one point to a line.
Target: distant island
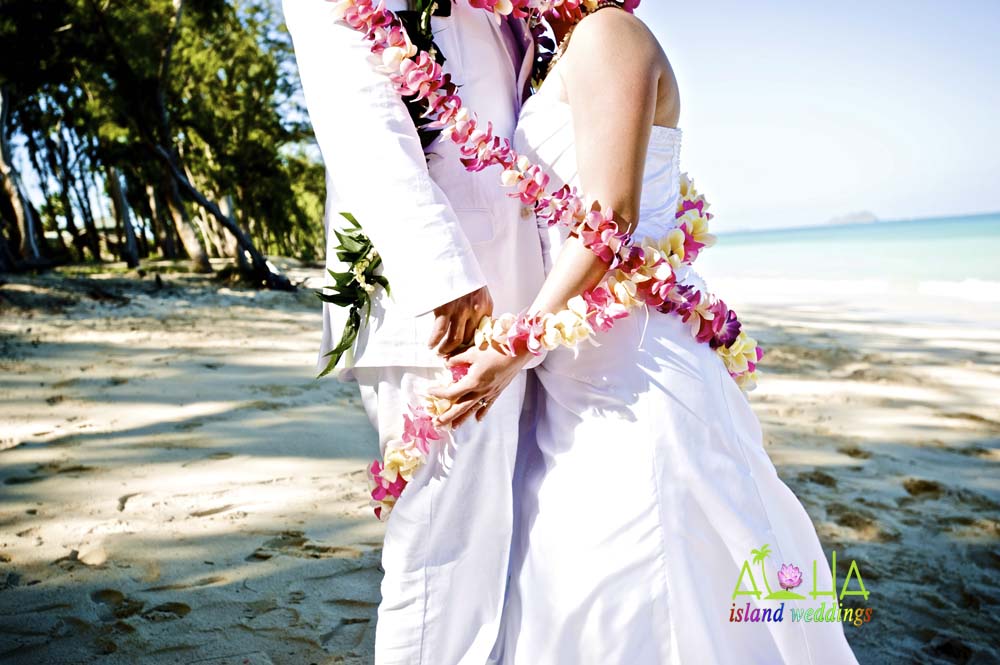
(860, 217)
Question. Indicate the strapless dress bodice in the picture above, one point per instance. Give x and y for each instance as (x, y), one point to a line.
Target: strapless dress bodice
(545, 135)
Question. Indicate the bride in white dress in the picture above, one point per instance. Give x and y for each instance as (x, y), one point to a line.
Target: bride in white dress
(646, 485)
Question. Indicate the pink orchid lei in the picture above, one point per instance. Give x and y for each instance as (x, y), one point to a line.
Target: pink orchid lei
(647, 276)
(643, 275)
(527, 8)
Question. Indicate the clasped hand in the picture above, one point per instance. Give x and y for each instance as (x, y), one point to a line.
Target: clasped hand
(489, 373)
(488, 370)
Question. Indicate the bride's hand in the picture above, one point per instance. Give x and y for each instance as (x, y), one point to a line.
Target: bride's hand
(489, 372)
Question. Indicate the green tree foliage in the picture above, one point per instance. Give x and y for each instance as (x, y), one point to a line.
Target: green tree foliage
(154, 127)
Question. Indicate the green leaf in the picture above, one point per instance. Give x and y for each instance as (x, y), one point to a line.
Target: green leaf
(349, 243)
(339, 299)
(341, 278)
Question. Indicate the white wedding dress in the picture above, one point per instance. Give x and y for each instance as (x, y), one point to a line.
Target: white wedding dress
(647, 485)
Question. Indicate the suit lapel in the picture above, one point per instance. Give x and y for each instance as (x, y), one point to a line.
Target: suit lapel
(523, 34)
(520, 74)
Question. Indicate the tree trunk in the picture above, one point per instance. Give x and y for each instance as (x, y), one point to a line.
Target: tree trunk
(102, 214)
(202, 223)
(8, 263)
(259, 269)
(123, 215)
(82, 195)
(30, 249)
(162, 228)
(45, 176)
(89, 225)
(60, 162)
(185, 229)
(58, 158)
(201, 216)
(143, 238)
(230, 247)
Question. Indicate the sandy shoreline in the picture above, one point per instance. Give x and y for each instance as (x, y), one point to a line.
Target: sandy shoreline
(177, 487)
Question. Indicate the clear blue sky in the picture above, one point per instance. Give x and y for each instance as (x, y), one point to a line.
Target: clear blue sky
(796, 112)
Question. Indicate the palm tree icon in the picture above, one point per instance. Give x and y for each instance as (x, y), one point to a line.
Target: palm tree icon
(759, 555)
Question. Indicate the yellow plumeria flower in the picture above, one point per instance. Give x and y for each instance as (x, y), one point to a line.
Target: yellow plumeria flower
(565, 328)
(623, 289)
(437, 405)
(672, 246)
(401, 461)
(393, 56)
(340, 8)
(510, 177)
(698, 227)
(484, 333)
(746, 381)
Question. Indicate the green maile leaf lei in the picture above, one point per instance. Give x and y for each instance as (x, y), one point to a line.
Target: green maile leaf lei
(355, 288)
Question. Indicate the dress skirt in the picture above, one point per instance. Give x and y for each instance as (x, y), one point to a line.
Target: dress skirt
(641, 496)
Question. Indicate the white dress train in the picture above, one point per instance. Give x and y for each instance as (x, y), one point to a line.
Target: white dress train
(648, 485)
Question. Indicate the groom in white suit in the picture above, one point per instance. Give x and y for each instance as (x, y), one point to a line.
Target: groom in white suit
(454, 247)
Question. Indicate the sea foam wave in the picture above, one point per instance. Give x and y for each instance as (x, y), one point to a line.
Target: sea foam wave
(969, 290)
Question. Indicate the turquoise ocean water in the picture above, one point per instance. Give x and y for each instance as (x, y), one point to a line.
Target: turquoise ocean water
(953, 257)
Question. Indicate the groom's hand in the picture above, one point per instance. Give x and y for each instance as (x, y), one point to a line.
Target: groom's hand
(455, 323)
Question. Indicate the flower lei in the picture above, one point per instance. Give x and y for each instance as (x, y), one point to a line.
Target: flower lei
(643, 275)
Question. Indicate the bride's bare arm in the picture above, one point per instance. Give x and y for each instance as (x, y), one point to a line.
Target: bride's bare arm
(611, 75)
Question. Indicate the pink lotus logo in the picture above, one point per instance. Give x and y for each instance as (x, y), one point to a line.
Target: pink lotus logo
(789, 576)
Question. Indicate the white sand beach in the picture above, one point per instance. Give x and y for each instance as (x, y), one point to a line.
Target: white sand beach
(178, 488)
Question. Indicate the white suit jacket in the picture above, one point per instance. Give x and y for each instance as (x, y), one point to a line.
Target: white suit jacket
(442, 232)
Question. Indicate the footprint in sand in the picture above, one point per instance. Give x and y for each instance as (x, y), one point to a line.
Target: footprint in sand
(971, 528)
(948, 649)
(818, 477)
(9, 581)
(855, 452)
(294, 543)
(22, 480)
(977, 501)
(975, 420)
(180, 586)
(43, 471)
(349, 633)
(122, 500)
(988, 454)
(166, 612)
(923, 489)
(113, 605)
(211, 511)
(100, 636)
(214, 457)
(278, 390)
(864, 524)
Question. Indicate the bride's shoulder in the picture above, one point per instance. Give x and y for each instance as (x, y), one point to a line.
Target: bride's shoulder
(618, 35)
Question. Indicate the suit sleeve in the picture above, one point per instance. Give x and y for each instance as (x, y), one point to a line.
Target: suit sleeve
(375, 161)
